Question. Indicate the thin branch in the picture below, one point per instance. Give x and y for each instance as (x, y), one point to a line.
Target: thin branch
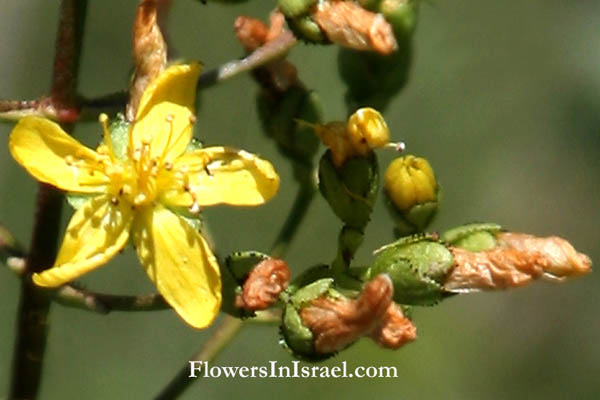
(261, 56)
(102, 303)
(32, 326)
(223, 334)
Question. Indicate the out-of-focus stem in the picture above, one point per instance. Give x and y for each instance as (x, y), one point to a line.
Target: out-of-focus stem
(34, 304)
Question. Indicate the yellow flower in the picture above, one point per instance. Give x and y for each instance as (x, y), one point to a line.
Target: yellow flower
(134, 195)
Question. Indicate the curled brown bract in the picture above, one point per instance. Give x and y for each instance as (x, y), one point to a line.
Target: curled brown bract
(149, 52)
(348, 24)
(517, 260)
(280, 74)
(336, 322)
(263, 285)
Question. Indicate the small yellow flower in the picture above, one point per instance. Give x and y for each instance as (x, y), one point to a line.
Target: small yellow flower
(135, 195)
(365, 130)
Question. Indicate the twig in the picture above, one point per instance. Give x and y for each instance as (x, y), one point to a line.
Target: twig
(34, 304)
(261, 56)
(102, 303)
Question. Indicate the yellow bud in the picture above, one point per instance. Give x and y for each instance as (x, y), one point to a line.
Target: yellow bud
(409, 181)
(365, 130)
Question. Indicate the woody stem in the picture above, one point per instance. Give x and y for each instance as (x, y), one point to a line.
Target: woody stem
(34, 304)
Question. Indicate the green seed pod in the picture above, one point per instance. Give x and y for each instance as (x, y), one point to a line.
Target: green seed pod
(295, 8)
(412, 192)
(296, 337)
(417, 265)
(350, 189)
(279, 115)
(473, 237)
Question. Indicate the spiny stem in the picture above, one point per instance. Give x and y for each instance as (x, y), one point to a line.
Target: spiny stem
(34, 304)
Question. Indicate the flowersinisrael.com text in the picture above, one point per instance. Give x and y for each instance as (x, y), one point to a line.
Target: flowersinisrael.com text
(202, 369)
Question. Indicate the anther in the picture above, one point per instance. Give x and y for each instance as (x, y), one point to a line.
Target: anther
(195, 208)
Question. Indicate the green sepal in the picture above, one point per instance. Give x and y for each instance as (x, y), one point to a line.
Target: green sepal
(417, 265)
(119, 136)
(279, 115)
(294, 8)
(242, 262)
(306, 29)
(237, 267)
(473, 237)
(311, 292)
(296, 337)
(351, 189)
(417, 218)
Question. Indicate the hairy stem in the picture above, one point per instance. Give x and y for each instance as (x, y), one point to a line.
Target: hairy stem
(34, 304)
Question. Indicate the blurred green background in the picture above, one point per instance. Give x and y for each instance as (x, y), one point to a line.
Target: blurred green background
(503, 99)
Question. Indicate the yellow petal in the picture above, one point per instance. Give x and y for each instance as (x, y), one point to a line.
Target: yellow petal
(96, 232)
(220, 175)
(54, 157)
(165, 115)
(180, 263)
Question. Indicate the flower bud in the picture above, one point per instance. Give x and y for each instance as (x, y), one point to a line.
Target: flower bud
(417, 266)
(413, 192)
(342, 22)
(365, 130)
(351, 189)
(319, 325)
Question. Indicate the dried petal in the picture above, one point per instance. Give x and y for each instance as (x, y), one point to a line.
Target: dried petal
(560, 258)
(263, 285)
(348, 24)
(518, 259)
(278, 75)
(149, 52)
(395, 329)
(337, 322)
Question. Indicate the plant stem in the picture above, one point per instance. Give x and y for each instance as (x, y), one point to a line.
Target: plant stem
(224, 333)
(231, 326)
(34, 304)
(261, 56)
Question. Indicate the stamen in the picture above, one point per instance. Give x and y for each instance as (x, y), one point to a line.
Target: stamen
(399, 146)
(103, 119)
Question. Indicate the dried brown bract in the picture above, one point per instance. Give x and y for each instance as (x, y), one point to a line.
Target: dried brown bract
(517, 260)
(149, 52)
(278, 75)
(263, 285)
(348, 24)
(336, 322)
(394, 329)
